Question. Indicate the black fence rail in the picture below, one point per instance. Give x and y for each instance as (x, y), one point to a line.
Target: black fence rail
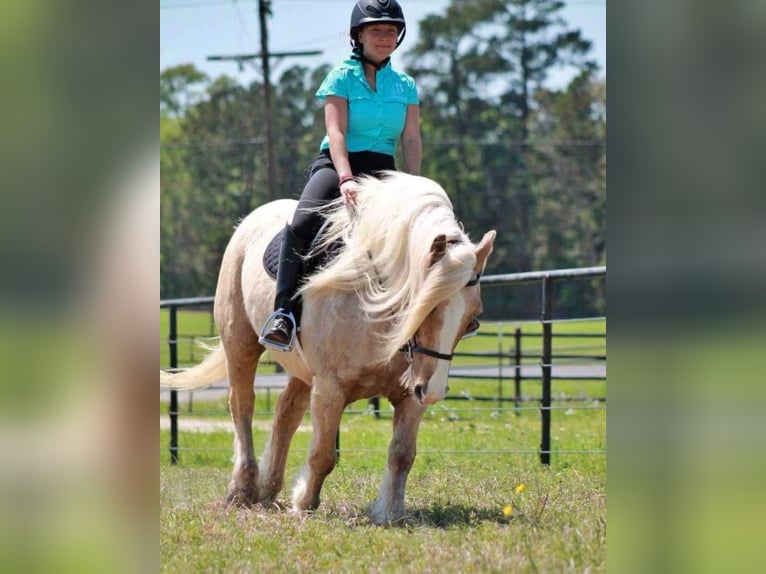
(547, 280)
(512, 360)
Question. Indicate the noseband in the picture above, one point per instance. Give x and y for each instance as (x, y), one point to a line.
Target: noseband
(411, 347)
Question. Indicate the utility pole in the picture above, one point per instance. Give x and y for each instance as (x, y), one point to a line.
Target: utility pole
(264, 11)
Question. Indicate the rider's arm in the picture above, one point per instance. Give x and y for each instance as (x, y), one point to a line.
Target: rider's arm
(411, 144)
(336, 122)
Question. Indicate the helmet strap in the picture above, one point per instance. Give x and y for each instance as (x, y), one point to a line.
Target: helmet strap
(359, 55)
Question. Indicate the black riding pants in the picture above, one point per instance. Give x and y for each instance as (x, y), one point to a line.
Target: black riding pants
(322, 187)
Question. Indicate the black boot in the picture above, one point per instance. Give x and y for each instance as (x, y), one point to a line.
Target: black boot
(279, 331)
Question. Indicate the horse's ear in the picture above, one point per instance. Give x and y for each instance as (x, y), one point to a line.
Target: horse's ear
(484, 248)
(438, 248)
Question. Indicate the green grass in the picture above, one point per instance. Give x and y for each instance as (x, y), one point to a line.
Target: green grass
(455, 501)
(471, 457)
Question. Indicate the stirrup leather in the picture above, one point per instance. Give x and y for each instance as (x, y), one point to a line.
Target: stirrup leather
(273, 344)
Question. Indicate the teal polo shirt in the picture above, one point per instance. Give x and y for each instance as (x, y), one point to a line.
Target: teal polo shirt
(375, 118)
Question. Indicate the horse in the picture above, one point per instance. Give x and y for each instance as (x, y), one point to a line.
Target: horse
(382, 318)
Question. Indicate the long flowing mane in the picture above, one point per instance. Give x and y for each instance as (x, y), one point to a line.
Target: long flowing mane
(387, 254)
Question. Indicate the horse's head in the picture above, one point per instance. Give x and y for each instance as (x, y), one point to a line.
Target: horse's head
(431, 348)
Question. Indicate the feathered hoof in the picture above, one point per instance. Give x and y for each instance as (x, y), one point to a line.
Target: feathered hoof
(380, 516)
(237, 496)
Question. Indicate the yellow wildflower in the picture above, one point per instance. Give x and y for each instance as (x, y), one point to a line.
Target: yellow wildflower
(507, 511)
(520, 488)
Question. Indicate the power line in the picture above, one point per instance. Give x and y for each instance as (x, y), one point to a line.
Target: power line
(212, 3)
(199, 4)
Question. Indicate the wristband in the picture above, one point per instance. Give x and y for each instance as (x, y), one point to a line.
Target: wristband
(344, 179)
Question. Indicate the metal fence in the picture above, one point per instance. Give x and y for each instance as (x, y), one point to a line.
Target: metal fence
(515, 358)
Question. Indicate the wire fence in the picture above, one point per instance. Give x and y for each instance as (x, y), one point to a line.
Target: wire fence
(514, 364)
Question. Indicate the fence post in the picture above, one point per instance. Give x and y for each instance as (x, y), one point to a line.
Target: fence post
(374, 402)
(545, 407)
(517, 370)
(173, 410)
(500, 367)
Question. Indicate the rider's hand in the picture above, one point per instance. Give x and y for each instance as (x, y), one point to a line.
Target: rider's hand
(348, 190)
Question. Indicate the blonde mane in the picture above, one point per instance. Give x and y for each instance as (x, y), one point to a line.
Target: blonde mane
(387, 255)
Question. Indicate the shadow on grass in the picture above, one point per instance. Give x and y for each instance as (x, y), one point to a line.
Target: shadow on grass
(446, 516)
(435, 516)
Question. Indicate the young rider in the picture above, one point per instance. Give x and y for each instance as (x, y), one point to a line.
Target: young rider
(368, 107)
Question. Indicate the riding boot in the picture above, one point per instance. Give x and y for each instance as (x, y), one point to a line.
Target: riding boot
(279, 331)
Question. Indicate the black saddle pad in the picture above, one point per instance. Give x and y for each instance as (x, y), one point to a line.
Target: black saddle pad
(271, 256)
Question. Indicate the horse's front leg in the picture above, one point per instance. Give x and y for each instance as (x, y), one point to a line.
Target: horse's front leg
(327, 403)
(291, 407)
(389, 506)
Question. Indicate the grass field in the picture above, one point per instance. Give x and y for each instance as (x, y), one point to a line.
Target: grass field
(465, 514)
(466, 509)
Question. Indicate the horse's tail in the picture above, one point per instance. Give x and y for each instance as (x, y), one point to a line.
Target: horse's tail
(211, 370)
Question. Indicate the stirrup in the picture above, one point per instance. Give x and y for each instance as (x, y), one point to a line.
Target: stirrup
(272, 344)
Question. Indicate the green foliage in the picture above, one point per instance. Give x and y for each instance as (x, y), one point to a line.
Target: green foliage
(481, 65)
(179, 88)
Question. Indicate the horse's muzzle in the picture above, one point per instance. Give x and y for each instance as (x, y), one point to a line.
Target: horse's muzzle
(421, 394)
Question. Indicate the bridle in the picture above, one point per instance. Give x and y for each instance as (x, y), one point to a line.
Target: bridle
(411, 347)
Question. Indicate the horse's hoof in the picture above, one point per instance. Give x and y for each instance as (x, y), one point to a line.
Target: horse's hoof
(273, 506)
(298, 514)
(382, 517)
(268, 501)
(240, 498)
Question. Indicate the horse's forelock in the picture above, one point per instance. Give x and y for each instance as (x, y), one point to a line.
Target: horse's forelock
(441, 281)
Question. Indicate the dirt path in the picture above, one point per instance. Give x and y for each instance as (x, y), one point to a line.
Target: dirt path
(186, 423)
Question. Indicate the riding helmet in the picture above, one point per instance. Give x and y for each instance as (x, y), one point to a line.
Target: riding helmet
(376, 12)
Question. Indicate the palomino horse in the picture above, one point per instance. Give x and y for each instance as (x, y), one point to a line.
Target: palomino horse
(381, 319)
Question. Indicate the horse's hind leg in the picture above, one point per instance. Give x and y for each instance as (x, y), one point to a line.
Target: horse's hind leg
(327, 404)
(389, 505)
(291, 407)
(241, 361)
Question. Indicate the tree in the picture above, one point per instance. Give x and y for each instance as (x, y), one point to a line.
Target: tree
(570, 194)
(479, 66)
(214, 170)
(299, 125)
(180, 87)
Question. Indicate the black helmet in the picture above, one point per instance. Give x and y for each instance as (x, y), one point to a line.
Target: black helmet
(377, 12)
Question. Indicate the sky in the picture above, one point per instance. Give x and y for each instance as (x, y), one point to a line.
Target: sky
(192, 30)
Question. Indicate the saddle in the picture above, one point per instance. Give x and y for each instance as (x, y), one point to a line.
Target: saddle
(310, 265)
